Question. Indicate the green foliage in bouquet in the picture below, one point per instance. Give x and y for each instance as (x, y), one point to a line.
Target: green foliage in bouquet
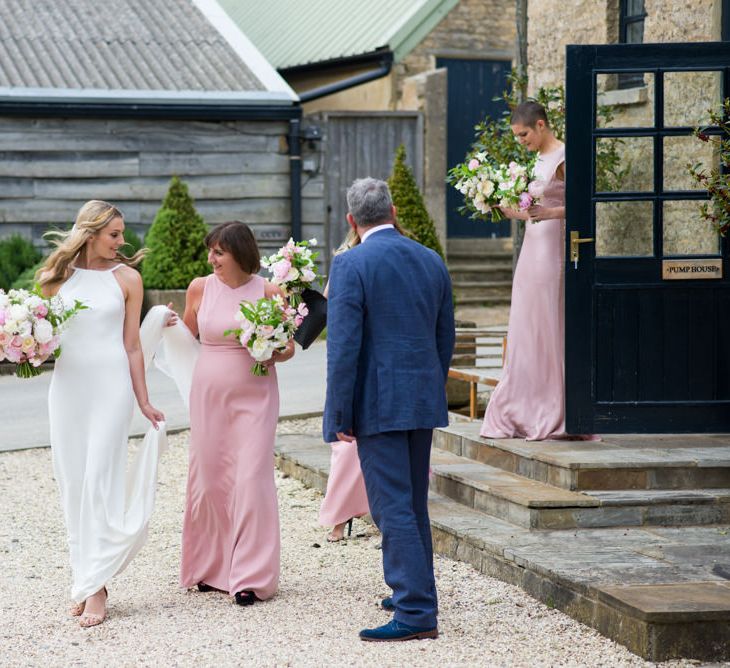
(408, 200)
(494, 136)
(717, 180)
(177, 253)
(17, 254)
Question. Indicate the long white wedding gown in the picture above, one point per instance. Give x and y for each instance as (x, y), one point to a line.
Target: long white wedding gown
(106, 506)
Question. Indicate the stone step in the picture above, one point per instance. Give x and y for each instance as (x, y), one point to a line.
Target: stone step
(482, 301)
(480, 257)
(659, 591)
(618, 462)
(474, 273)
(480, 244)
(535, 505)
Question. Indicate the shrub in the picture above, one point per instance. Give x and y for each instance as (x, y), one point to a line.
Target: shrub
(407, 198)
(177, 253)
(26, 280)
(16, 255)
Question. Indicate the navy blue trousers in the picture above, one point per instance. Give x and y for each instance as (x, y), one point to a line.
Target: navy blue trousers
(395, 467)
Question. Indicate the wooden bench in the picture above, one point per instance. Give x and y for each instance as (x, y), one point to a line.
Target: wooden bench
(467, 353)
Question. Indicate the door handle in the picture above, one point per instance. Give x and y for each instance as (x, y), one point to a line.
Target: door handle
(575, 240)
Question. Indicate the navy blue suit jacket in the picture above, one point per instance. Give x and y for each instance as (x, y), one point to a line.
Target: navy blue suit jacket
(390, 337)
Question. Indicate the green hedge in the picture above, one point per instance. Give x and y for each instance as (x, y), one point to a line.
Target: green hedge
(17, 255)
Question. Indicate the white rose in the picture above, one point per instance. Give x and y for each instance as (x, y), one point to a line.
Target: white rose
(43, 331)
(293, 275)
(308, 275)
(17, 312)
(487, 188)
(33, 302)
(261, 351)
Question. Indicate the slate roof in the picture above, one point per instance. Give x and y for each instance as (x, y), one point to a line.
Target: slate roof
(129, 45)
(299, 32)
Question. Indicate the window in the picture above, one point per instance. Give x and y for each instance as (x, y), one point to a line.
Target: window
(631, 31)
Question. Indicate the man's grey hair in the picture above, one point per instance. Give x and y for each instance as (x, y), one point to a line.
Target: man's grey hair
(369, 202)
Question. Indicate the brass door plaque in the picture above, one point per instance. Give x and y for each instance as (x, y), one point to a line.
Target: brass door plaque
(683, 270)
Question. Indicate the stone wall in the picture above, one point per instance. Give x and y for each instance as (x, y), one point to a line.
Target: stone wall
(554, 23)
(472, 29)
(625, 228)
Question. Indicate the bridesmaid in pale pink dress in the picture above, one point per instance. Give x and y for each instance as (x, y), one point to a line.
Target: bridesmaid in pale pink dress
(230, 538)
(529, 400)
(346, 496)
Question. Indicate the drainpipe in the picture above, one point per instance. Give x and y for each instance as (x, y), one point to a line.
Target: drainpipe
(295, 177)
(382, 70)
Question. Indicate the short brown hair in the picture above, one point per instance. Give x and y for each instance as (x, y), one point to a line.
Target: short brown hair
(236, 238)
(529, 113)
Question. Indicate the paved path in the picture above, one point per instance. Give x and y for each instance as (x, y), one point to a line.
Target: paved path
(24, 413)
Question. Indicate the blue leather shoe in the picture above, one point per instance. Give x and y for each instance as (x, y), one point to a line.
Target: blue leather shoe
(394, 631)
(387, 603)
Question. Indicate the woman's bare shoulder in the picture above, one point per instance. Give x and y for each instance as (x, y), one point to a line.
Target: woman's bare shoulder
(196, 285)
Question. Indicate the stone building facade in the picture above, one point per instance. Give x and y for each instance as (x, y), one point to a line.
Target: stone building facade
(625, 228)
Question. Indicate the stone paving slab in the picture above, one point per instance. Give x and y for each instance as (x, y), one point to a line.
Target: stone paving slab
(672, 602)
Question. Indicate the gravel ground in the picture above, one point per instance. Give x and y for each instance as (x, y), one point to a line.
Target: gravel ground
(327, 593)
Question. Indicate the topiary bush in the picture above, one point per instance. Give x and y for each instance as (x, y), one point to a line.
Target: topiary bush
(16, 255)
(177, 253)
(408, 200)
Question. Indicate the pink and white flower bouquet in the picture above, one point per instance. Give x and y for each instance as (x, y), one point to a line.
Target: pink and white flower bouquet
(292, 268)
(487, 187)
(266, 326)
(30, 328)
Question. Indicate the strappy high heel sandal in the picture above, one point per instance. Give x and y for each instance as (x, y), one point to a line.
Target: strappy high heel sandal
(89, 619)
(331, 538)
(77, 609)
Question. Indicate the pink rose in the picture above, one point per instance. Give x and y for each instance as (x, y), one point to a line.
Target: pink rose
(41, 310)
(473, 164)
(14, 355)
(281, 269)
(525, 201)
(2, 317)
(298, 320)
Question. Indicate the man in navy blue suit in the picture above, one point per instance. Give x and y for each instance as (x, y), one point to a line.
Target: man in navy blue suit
(390, 336)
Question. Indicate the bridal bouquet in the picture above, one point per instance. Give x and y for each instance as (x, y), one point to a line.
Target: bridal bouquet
(292, 267)
(487, 186)
(266, 326)
(30, 328)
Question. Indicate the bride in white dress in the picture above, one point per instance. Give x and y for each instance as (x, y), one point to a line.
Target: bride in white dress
(91, 399)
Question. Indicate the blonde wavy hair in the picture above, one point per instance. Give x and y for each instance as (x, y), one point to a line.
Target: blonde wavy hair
(352, 239)
(92, 217)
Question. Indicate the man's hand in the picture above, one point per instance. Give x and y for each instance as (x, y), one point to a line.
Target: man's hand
(346, 437)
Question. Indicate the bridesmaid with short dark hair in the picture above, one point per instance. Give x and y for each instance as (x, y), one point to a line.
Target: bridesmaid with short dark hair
(230, 537)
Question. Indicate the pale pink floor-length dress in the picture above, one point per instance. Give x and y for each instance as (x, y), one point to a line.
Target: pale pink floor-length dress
(346, 496)
(230, 535)
(529, 400)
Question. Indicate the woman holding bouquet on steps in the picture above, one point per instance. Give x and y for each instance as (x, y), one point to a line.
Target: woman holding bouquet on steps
(230, 540)
(529, 400)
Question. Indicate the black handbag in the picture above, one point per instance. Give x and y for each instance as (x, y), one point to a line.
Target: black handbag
(315, 321)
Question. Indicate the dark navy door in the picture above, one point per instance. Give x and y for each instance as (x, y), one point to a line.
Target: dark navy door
(472, 87)
(648, 307)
